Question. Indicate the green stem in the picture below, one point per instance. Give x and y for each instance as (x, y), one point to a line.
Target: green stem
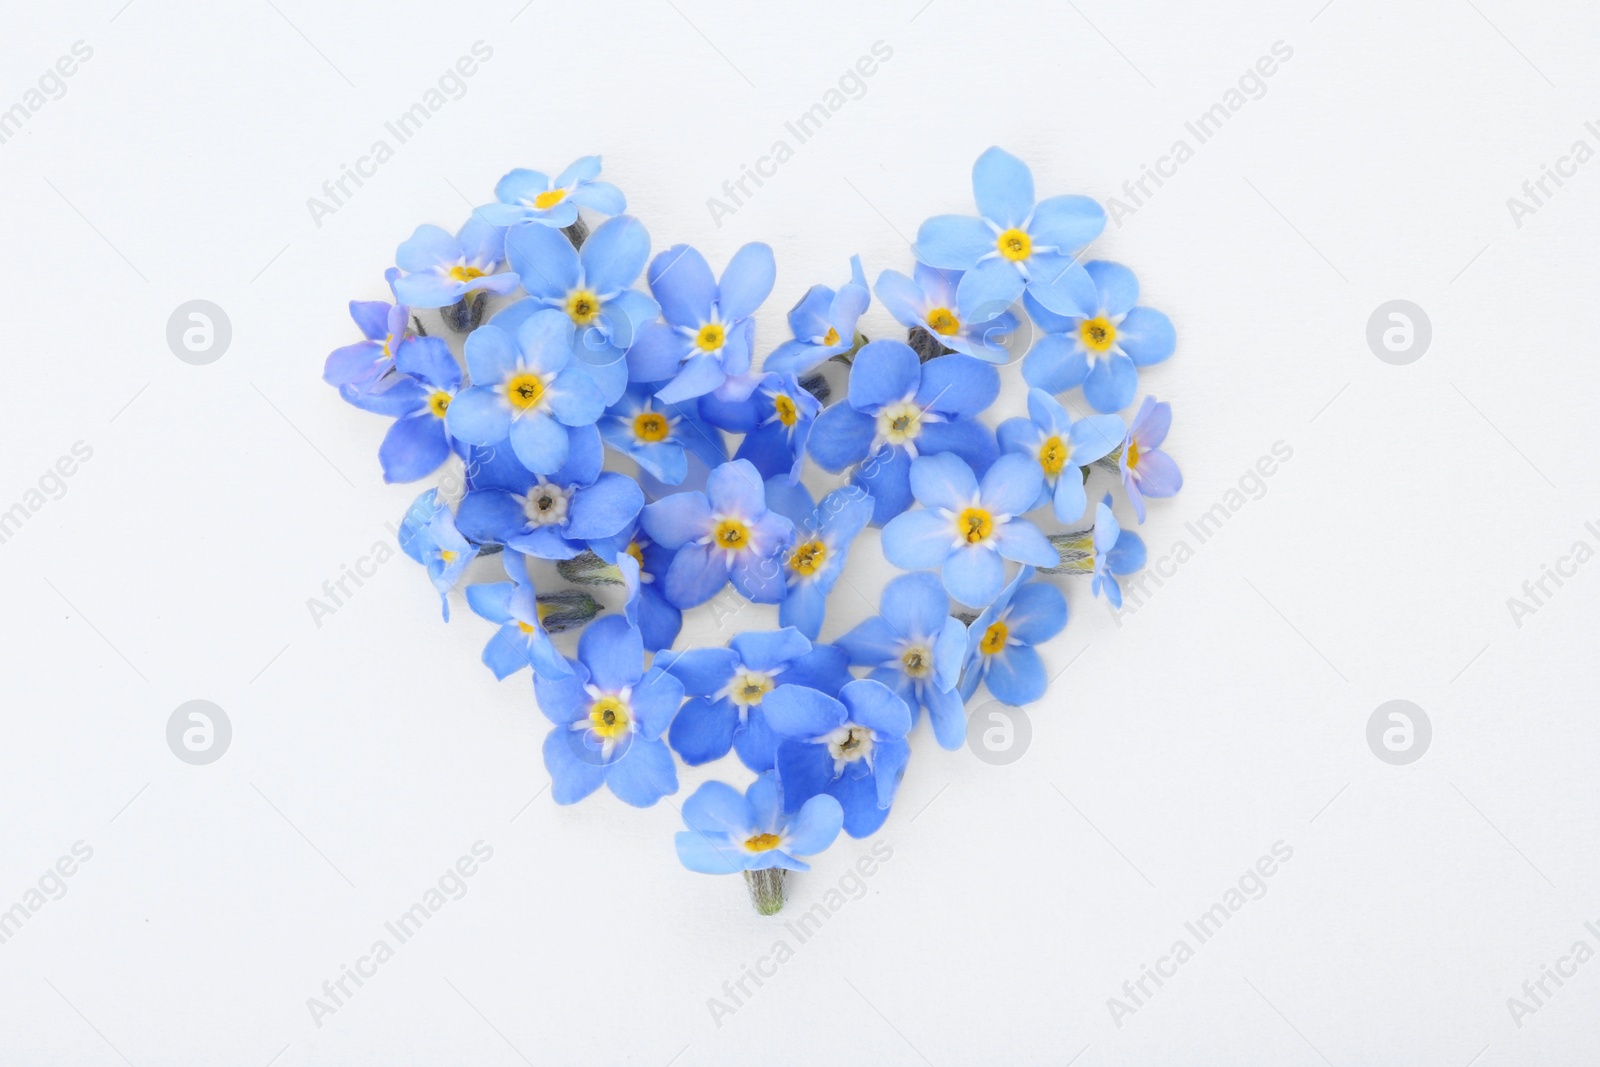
(766, 889)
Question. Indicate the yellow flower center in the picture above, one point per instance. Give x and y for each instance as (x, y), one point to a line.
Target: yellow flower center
(1132, 455)
(1053, 455)
(526, 628)
(994, 638)
(448, 556)
(465, 273)
(788, 414)
(831, 337)
(609, 717)
(525, 390)
(439, 403)
(547, 200)
(710, 337)
(1015, 244)
(749, 687)
(899, 423)
(809, 557)
(917, 661)
(943, 321)
(651, 426)
(582, 306)
(975, 525)
(1098, 334)
(731, 534)
(636, 552)
(762, 842)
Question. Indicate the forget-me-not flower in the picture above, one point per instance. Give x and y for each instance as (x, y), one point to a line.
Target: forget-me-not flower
(931, 300)
(1016, 244)
(1116, 552)
(728, 833)
(1061, 447)
(554, 516)
(526, 387)
(706, 338)
(776, 419)
(419, 398)
(438, 269)
(852, 748)
(1146, 470)
(821, 547)
(725, 532)
(609, 715)
(531, 196)
(659, 436)
(1002, 640)
(358, 366)
(915, 647)
(522, 640)
(1101, 345)
(899, 408)
(728, 687)
(823, 323)
(968, 529)
(428, 535)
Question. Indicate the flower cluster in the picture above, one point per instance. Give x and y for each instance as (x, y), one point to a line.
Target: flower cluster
(600, 417)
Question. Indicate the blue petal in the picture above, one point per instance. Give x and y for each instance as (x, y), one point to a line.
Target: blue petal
(603, 508)
(717, 807)
(613, 652)
(917, 540)
(875, 706)
(643, 774)
(840, 437)
(746, 281)
(571, 777)
(970, 439)
(1020, 541)
(657, 352)
(901, 297)
(676, 520)
(804, 769)
(490, 515)
(988, 290)
(1111, 384)
(603, 197)
(1055, 364)
(1012, 485)
(766, 651)
(413, 448)
(614, 254)
(697, 573)
(1067, 222)
(943, 481)
(796, 711)
(887, 476)
(804, 608)
(703, 671)
(974, 575)
(916, 605)
(756, 744)
(815, 827)
(429, 359)
(697, 377)
(706, 853)
(544, 259)
(681, 281)
(1038, 613)
(1016, 676)
(656, 700)
(737, 488)
(1147, 336)
(491, 354)
(477, 416)
(540, 442)
(883, 371)
(874, 642)
(958, 387)
(1060, 283)
(954, 242)
(1003, 188)
(947, 713)
(859, 799)
(1115, 285)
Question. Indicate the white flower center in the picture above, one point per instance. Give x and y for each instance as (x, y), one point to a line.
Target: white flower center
(546, 504)
(847, 744)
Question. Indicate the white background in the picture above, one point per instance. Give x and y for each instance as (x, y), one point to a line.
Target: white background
(1228, 713)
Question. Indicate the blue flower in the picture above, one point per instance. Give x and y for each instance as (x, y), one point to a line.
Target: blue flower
(776, 419)
(1100, 345)
(525, 387)
(521, 640)
(822, 544)
(529, 196)
(609, 716)
(967, 529)
(550, 517)
(823, 323)
(706, 337)
(1001, 641)
(1116, 552)
(898, 408)
(929, 300)
(659, 436)
(729, 833)
(725, 532)
(729, 686)
(439, 269)
(914, 646)
(419, 398)
(590, 285)
(852, 748)
(428, 535)
(1146, 470)
(1017, 244)
(643, 563)
(1060, 446)
(358, 366)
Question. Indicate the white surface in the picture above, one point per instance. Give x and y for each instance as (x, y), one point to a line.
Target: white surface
(1227, 714)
